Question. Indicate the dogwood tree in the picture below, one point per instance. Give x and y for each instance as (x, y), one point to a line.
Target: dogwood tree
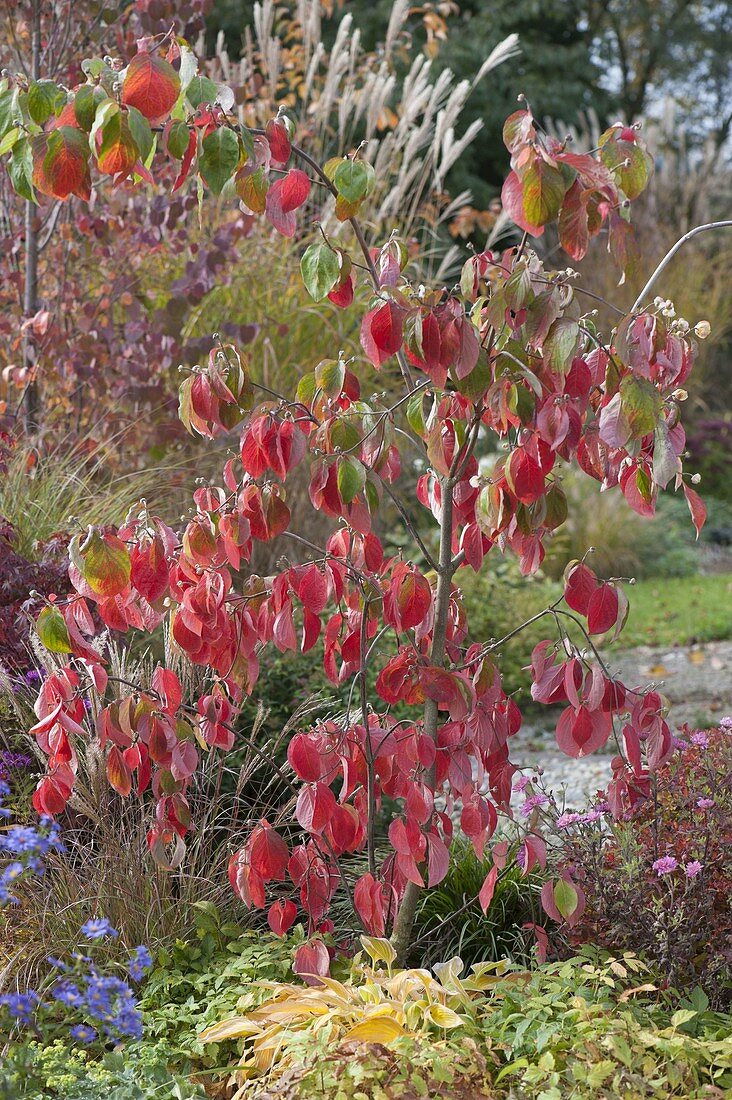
(504, 382)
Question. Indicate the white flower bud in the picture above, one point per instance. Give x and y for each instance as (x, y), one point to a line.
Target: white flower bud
(702, 329)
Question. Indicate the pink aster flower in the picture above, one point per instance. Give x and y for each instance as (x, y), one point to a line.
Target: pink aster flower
(521, 783)
(665, 865)
(692, 869)
(705, 803)
(567, 819)
(700, 739)
(532, 802)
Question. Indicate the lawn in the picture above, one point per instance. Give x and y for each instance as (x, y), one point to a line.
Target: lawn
(679, 611)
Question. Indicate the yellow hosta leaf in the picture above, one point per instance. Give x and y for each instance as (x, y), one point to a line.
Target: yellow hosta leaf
(442, 1016)
(381, 1029)
(234, 1028)
(378, 950)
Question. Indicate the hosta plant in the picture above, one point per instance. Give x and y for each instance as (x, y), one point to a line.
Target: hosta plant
(508, 363)
(375, 1004)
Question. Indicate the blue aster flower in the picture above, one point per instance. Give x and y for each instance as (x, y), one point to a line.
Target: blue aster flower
(84, 1033)
(98, 929)
(140, 961)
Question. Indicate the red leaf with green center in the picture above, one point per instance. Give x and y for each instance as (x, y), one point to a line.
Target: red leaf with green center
(103, 562)
(61, 164)
(152, 86)
(118, 772)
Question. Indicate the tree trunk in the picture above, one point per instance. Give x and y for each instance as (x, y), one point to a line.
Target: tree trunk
(404, 923)
(31, 398)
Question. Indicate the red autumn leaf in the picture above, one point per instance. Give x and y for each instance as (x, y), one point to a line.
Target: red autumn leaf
(315, 804)
(312, 960)
(279, 141)
(381, 332)
(574, 235)
(581, 732)
(149, 569)
(118, 772)
(151, 85)
(246, 883)
(61, 164)
(305, 758)
(408, 599)
(342, 296)
(267, 853)
(368, 898)
(697, 507)
(524, 476)
(168, 686)
(602, 611)
(281, 917)
(488, 888)
(294, 190)
(580, 584)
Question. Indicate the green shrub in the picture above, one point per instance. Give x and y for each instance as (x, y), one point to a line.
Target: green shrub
(59, 1072)
(594, 1026)
(197, 983)
(449, 922)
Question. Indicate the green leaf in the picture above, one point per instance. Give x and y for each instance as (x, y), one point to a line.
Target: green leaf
(141, 132)
(178, 137)
(20, 170)
(219, 158)
(543, 189)
(565, 897)
(352, 180)
(9, 140)
(560, 345)
(45, 98)
(329, 376)
(10, 113)
(642, 404)
(320, 270)
(351, 478)
(415, 414)
(52, 631)
(85, 105)
(201, 90)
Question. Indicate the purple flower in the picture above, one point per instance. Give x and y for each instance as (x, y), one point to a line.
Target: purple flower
(140, 961)
(567, 819)
(532, 802)
(521, 783)
(83, 1033)
(68, 994)
(692, 869)
(726, 723)
(665, 865)
(98, 929)
(20, 1005)
(700, 739)
(705, 803)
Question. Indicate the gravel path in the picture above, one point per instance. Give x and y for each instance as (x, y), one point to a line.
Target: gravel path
(697, 680)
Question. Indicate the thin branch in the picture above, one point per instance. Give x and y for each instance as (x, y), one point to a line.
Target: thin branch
(670, 255)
